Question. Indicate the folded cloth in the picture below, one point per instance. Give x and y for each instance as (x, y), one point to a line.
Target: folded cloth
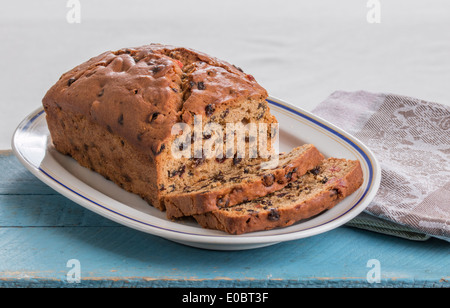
(411, 140)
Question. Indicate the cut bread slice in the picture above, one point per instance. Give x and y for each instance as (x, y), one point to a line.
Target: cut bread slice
(318, 190)
(244, 181)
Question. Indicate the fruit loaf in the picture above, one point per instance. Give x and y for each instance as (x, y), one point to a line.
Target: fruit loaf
(115, 112)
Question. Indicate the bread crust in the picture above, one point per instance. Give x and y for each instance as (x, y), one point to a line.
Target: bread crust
(140, 93)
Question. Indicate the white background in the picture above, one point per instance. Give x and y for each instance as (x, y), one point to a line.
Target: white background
(300, 51)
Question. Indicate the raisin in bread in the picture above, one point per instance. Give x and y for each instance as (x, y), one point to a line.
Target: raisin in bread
(115, 112)
(241, 182)
(318, 190)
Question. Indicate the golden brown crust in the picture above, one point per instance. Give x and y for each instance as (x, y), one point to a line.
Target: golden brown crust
(140, 93)
(237, 222)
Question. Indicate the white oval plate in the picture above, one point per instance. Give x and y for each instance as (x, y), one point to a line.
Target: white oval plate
(32, 145)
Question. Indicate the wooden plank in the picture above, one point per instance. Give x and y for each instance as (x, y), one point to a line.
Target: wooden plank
(16, 179)
(46, 211)
(40, 231)
(120, 256)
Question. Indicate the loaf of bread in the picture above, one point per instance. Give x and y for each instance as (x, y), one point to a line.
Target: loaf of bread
(145, 118)
(115, 113)
(316, 191)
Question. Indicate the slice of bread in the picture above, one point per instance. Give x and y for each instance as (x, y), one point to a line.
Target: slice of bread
(243, 181)
(318, 190)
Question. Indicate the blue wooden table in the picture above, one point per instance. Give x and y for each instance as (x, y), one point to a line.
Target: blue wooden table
(44, 238)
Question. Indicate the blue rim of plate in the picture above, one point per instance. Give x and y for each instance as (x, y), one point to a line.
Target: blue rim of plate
(276, 102)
